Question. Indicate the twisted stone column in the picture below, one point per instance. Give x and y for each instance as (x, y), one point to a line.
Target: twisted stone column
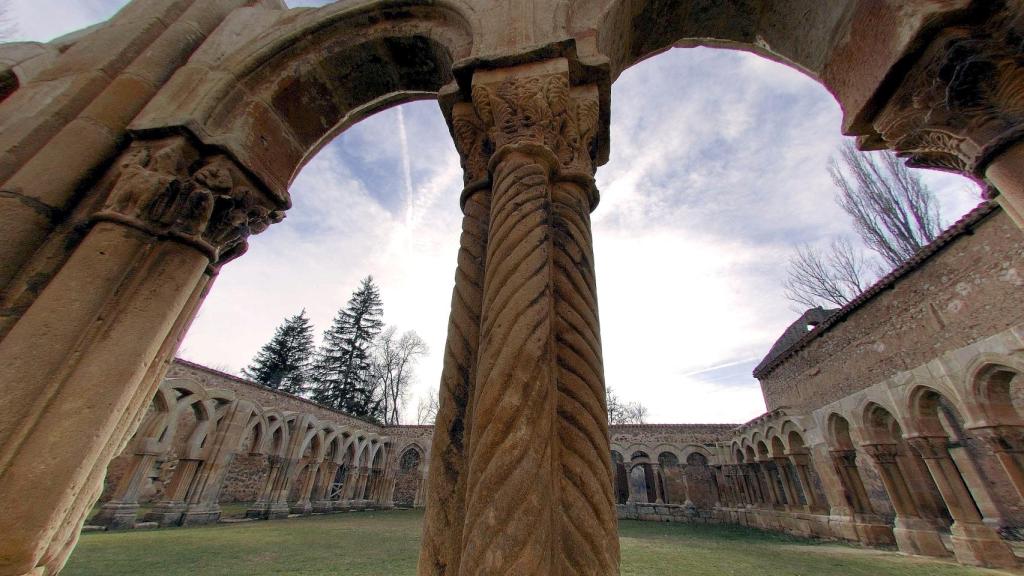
(536, 466)
(445, 496)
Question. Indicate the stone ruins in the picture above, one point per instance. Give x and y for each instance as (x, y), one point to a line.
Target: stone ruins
(137, 156)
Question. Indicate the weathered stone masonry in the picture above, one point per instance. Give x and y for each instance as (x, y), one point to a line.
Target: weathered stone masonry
(137, 157)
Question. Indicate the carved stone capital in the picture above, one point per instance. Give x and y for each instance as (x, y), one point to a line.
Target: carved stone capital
(169, 189)
(882, 453)
(1001, 438)
(963, 103)
(930, 447)
(844, 458)
(473, 141)
(534, 106)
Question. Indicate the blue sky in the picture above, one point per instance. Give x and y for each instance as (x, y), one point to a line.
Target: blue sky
(719, 168)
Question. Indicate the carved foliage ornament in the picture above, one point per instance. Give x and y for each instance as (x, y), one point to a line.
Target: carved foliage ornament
(542, 110)
(165, 189)
(964, 103)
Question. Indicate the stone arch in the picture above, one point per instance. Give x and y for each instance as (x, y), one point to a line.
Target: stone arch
(277, 99)
(990, 383)
(839, 435)
(823, 40)
(409, 475)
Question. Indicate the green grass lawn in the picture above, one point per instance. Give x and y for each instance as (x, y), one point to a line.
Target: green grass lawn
(387, 543)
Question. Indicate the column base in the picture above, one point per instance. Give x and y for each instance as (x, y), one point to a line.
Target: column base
(323, 506)
(277, 511)
(166, 514)
(979, 545)
(919, 537)
(199, 515)
(342, 505)
(258, 511)
(116, 515)
(303, 508)
(872, 531)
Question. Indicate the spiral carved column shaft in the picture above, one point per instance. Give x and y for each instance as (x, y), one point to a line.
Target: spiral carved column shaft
(532, 487)
(445, 499)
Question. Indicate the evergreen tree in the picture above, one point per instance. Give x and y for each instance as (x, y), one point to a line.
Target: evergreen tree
(344, 377)
(284, 363)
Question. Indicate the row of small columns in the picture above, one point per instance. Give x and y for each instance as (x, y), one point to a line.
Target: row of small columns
(754, 484)
(917, 527)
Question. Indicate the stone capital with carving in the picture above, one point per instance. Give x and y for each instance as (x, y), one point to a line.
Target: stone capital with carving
(882, 453)
(1001, 438)
(845, 458)
(962, 104)
(170, 189)
(535, 106)
(930, 447)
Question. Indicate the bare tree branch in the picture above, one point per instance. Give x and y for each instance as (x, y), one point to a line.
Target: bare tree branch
(831, 278)
(892, 210)
(426, 409)
(393, 371)
(628, 413)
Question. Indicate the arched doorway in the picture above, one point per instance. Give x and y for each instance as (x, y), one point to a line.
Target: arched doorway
(408, 483)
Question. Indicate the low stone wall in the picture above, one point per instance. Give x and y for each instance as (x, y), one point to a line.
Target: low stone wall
(664, 513)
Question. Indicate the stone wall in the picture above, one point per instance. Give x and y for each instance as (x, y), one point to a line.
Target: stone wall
(968, 288)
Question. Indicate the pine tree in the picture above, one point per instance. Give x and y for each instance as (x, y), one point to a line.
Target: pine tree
(344, 379)
(284, 363)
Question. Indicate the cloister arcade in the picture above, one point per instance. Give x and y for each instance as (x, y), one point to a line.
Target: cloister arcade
(137, 158)
(922, 465)
(304, 464)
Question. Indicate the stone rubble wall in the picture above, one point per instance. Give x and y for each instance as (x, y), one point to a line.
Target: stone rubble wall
(967, 291)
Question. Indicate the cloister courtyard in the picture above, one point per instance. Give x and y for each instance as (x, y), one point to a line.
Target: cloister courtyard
(376, 543)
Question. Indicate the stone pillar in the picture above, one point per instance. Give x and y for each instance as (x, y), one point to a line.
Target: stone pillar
(846, 466)
(322, 498)
(259, 507)
(659, 488)
(359, 495)
(765, 477)
(344, 494)
(167, 215)
(120, 512)
(961, 107)
(303, 505)
(203, 505)
(868, 527)
(348, 489)
(169, 511)
(914, 534)
(802, 463)
(753, 485)
(974, 543)
(1007, 443)
(781, 467)
(445, 496)
(538, 472)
